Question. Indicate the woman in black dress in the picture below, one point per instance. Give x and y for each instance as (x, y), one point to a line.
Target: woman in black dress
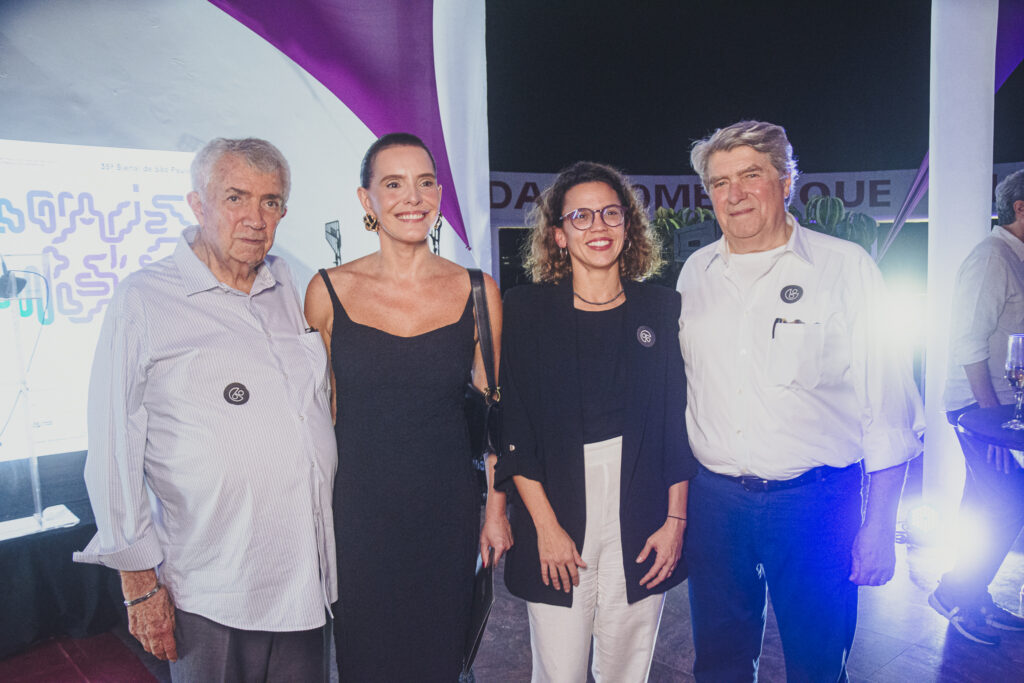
(399, 327)
(593, 393)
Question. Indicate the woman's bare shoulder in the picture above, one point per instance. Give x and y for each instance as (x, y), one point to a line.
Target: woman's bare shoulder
(351, 274)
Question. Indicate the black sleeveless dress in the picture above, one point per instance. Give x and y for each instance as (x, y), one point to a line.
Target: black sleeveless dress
(406, 511)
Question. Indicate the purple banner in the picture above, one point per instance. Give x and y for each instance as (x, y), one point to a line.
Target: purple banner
(376, 56)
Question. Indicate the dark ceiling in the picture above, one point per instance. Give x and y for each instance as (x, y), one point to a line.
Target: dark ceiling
(633, 84)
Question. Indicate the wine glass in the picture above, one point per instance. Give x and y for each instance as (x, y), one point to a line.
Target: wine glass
(1015, 376)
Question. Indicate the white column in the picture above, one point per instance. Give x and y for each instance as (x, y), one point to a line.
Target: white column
(963, 49)
(460, 66)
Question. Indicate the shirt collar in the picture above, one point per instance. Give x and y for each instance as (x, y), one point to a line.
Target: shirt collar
(1015, 244)
(197, 277)
(797, 244)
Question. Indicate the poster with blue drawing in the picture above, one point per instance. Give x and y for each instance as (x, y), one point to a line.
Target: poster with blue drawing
(74, 221)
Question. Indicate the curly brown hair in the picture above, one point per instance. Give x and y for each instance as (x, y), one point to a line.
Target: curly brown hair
(545, 262)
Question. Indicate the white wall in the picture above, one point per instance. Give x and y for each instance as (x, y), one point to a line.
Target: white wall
(170, 75)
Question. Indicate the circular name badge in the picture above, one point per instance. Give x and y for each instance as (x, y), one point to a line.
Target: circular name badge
(645, 336)
(236, 394)
(790, 294)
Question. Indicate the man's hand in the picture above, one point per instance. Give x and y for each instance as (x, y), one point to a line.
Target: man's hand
(874, 548)
(874, 555)
(1002, 459)
(152, 620)
(152, 624)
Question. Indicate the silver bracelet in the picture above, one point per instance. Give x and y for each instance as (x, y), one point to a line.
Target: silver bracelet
(147, 596)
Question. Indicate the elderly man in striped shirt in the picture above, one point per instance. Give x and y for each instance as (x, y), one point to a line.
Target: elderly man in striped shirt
(211, 451)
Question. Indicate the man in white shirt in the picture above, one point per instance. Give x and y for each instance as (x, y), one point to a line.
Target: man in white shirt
(211, 451)
(790, 389)
(988, 306)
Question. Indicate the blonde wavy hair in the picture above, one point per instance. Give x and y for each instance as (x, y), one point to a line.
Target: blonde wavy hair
(545, 262)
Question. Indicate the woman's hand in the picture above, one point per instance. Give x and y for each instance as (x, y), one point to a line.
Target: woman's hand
(667, 542)
(560, 561)
(496, 533)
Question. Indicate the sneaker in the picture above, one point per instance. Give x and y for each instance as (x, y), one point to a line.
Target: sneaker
(1003, 619)
(971, 624)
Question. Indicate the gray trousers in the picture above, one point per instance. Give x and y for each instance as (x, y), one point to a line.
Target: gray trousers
(208, 651)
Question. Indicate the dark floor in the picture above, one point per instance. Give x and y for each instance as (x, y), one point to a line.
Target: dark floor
(900, 639)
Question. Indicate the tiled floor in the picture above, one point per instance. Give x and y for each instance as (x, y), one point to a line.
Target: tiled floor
(100, 658)
(899, 639)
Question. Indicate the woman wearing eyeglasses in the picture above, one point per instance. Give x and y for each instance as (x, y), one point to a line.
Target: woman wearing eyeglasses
(594, 443)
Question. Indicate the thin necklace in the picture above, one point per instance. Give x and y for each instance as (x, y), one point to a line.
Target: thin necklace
(597, 303)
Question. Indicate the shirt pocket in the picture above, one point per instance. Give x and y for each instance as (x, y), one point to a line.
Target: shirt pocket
(795, 355)
(316, 356)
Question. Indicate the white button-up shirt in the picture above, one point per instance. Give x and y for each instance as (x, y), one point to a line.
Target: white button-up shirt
(788, 369)
(211, 448)
(988, 306)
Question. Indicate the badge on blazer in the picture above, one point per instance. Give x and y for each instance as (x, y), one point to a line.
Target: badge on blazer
(645, 336)
(236, 393)
(790, 294)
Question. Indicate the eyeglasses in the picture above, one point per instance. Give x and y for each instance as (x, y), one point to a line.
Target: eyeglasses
(613, 216)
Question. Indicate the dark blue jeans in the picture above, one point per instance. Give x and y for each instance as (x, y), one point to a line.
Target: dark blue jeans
(995, 500)
(794, 543)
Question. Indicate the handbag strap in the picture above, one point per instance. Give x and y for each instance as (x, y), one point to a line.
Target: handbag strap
(483, 333)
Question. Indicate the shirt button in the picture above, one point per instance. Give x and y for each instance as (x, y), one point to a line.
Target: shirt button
(302, 418)
(511, 447)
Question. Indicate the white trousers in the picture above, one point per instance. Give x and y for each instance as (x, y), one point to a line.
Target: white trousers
(623, 634)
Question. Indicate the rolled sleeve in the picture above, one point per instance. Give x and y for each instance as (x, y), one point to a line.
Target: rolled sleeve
(513, 462)
(884, 449)
(978, 300)
(114, 467)
(892, 415)
(518, 449)
(519, 454)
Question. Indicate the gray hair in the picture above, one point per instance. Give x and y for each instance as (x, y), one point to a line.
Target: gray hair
(259, 154)
(1010, 190)
(761, 136)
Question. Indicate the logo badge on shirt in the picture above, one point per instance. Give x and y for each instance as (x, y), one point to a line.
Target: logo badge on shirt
(645, 336)
(790, 294)
(236, 394)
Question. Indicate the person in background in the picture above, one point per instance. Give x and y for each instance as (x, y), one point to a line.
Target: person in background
(211, 456)
(399, 324)
(988, 306)
(595, 446)
(794, 396)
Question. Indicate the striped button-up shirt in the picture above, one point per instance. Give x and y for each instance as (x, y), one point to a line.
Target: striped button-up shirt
(211, 449)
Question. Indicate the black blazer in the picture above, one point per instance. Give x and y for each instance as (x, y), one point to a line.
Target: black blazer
(543, 426)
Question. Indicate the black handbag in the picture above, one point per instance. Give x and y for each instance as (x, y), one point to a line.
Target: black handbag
(483, 409)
